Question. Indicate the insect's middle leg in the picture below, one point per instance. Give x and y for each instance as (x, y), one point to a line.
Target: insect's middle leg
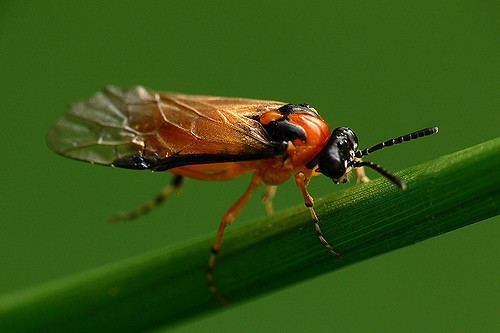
(302, 181)
(267, 199)
(170, 189)
(227, 219)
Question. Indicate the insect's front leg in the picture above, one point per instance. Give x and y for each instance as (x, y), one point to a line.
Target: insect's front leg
(361, 175)
(227, 219)
(302, 181)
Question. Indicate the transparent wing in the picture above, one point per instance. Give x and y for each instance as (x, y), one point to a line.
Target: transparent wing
(139, 128)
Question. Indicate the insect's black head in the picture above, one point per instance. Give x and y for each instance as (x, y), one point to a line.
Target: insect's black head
(340, 154)
(336, 158)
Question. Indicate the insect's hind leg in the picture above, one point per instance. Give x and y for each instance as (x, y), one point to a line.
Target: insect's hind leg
(227, 219)
(174, 186)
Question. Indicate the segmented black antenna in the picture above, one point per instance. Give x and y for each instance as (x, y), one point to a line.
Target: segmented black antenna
(395, 180)
(400, 139)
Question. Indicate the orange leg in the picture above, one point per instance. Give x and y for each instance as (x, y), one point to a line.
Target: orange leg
(267, 199)
(227, 219)
(302, 181)
(361, 175)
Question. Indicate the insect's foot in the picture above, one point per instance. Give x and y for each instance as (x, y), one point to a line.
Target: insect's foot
(332, 251)
(120, 217)
(364, 180)
(212, 286)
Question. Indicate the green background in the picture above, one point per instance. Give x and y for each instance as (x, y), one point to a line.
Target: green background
(382, 68)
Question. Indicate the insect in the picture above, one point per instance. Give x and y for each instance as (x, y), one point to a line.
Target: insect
(214, 138)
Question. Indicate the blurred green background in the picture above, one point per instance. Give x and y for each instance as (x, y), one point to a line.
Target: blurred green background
(382, 68)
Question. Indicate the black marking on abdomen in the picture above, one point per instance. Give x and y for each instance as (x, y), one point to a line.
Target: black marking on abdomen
(140, 162)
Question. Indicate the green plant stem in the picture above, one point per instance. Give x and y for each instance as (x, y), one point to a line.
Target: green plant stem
(167, 286)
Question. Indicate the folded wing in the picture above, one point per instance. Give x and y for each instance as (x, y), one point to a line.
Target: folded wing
(143, 129)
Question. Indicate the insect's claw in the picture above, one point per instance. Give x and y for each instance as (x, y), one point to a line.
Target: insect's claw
(113, 219)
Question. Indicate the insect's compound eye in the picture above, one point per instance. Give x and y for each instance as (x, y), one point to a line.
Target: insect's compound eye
(348, 139)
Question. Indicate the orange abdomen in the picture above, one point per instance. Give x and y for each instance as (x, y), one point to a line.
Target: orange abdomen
(214, 171)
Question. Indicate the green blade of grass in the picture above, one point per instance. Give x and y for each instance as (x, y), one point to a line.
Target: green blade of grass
(167, 286)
